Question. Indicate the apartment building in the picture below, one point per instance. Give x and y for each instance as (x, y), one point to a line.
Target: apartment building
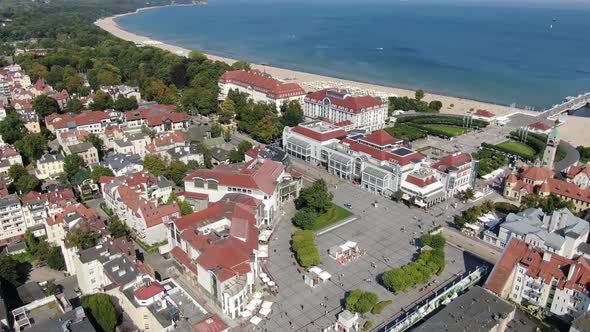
(529, 275)
(11, 219)
(91, 121)
(158, 117)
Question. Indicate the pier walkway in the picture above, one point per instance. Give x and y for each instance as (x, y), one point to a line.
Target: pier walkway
(570, 104)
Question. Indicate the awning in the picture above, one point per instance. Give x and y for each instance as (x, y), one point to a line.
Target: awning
(246, 313)
(265, 235)
(255, 320)
(324, 275)
(264, 312)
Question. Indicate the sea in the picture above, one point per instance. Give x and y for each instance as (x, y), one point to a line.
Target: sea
(524, 55)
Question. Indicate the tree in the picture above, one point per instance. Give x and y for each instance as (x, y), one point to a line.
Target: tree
(97, 142)
(99, 171)
(37, 71)
(468, 194)
(72, 164)
(216, 130)
(227, 135)
(228, 111)
(435, 105)
(176, 172)
(45, 105)
(184, 206)
(197, 56)
(101, 101)
(32, 147)
(16, 171)
(268, 129)
(125, 104)
(316, 197)
(399, 195)
(202, 148)
(420, 94)
(82, 238)
(27, 183)
(244, 146)
(101, 310)
(361, 302)
(117, 227)
(305, 218)
(154, 164)
(241, 65)
(55, 259)
(9, 276)
(31, 241)
(12, 128)
(74, 105)
(292, 114)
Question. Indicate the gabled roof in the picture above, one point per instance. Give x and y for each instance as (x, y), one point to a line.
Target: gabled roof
(348, 103)
(540, 125)
(380, 138)
(68, 120)
(262, 175)
(484, 113)
(271, 87)
(156, 114)
(211, 324)
(319, 136)
(452, 161)
(421, 182)
(536, 173)
(148, 291)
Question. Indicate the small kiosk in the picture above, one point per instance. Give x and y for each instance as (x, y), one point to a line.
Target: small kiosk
(346, 253)
(316, 276)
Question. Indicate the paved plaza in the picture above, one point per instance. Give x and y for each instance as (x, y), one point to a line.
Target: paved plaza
(385, 232)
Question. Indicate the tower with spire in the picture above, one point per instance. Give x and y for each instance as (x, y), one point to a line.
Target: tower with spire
(551, 146)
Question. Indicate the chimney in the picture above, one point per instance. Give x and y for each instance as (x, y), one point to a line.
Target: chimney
(547, 256)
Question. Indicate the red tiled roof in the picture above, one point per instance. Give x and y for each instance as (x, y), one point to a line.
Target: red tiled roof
(320, 137)
(536, 173)
(156, 114)
(531, 258)
(62, 95)
(380, 138)
(349, 103)
(192, 195)
(503, 268)
(383, 155)
(211, 324)
(183, 258)
(8, 151)
(421, 182)
(540, 125)
(271, 87)
(484, 113)
(85, 118)
(86, 213)
(568, 189)
(147, 292)
(343, 123)
(452, 160)
(262, 175)
(575, 170)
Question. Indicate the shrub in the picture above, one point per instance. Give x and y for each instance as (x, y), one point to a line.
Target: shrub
(506, 207)
(305, 218)
(361, 302)
(430, 262)
(378, 308)
(434, 241)
(101, 310)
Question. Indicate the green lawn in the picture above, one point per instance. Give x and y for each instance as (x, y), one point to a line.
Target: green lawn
(450, 131)
(334, 214)
(518, 147)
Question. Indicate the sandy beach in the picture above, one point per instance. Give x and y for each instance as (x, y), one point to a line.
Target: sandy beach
(573, 131)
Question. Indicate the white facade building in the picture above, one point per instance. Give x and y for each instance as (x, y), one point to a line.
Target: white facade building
(11, 219)
(49, 166)
(260, 87)
(340, 108)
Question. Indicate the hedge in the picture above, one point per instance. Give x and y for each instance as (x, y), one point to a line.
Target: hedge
(430, 262)
(378, 308)
(440, 119)
(302, 243)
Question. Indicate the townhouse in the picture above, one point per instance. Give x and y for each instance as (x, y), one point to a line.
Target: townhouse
(216, 249)
(260, 87)
(9, 156)
(49, 166)
(264, 180)
(92, 121)
(137, 200)
(158, 117)
(85, 150)
(528, 275)
(559, 232)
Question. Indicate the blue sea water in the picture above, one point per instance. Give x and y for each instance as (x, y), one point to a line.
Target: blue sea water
(499, 53)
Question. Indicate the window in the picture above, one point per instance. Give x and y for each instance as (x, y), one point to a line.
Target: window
(212, 184)
(199, 183)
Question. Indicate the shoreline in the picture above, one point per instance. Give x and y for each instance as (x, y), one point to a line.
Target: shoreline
(570, 132)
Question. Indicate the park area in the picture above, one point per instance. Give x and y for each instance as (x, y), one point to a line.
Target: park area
(333, 215)
(447, 130)
(315, 208)
(518, 148)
